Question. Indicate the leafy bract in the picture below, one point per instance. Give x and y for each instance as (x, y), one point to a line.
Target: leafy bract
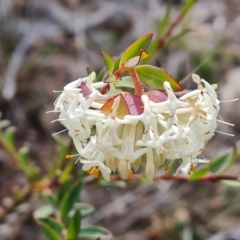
(154, 77)
(121, 108)
(135, 49)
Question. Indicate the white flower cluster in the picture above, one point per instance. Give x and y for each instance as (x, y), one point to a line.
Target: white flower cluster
(173, 129)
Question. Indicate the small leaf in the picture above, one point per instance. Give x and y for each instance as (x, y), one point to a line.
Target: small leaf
(9, 138)
(154, 77)
(69, 199)
(89, 70)
(108, 61)
(52, 223)
(66, 173)
(121, 108)
(84, 208)
(229, 161)
(186, 7)
(217, 163)
(93, 232)
(124, 82)
(50, 233)
(119, 184)
(199, 173)
(100, 76)
(43, 212)
(74, 226)
(25, 165)
(52, 199)
(134, 49)
(135, 60)
(178, 36)
(165, 22)
(63, 191)
(231, 183)
(62, 148)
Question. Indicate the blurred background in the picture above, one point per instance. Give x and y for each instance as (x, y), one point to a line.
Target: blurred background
(44, 44)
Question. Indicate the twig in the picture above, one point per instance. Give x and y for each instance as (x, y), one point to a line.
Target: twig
(182, 178)
(161, 42)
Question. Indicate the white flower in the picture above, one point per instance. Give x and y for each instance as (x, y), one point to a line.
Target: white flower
(176, 129)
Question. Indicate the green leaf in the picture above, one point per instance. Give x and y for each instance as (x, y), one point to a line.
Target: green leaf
(134, 49)
(69, 199)
(199, 173)
(50, 233)
(84, 208)
(52, 223)
(186, 7)
(63, 191)
(9, 138)
(229, 161)
(164, 23)
(178, 36)
(119, 184)
(93, 232)
(52, 199)
(62, 148)
(25, 165)
(231, 183)
(66, 173)
(217, 163)
(100, 76)
(125, 82)
(43, 212)
(89, 70)
(74, 226)
(154, 77)
(108, 61)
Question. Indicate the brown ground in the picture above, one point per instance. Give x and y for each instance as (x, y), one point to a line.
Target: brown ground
(45, 44)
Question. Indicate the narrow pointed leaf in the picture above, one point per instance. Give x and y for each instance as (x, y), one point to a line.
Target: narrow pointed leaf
(229, 161)
(74, 226)
(84, 208)
(93, 232)
(199, 173)
(50, 233)
(231, 183)
(89, 70)
(52, 223)
(134, 49)
(63, 191)
(108, 61)
(69, 199)
(154, 77)
(9, 138)
(43, 212)
(165, 22)
(217, 163)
